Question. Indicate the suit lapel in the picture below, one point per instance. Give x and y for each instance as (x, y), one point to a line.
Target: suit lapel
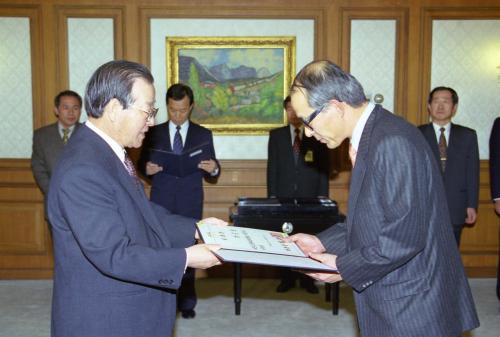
(168, 146)
(359, 170)
(190, 135)
(430, 134)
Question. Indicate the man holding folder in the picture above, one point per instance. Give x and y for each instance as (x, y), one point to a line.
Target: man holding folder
(177, 155)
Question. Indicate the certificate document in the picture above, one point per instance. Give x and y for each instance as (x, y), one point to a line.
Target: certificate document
(256, 246)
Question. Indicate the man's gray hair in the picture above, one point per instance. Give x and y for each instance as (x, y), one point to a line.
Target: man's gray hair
(324, 81)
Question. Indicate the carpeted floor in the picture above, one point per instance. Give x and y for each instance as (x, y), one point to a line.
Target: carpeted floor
(25, 311)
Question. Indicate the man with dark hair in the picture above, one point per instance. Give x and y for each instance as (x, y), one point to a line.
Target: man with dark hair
(118, 257)
(456, 151)
(297, 167)
(495, 179)
(396, 248)
(180, 194)
(48, 141)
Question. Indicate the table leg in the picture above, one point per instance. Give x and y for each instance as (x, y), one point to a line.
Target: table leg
(237, 288)
(335, 298)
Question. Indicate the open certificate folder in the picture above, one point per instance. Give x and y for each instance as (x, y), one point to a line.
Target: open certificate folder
(256, 246)
(181, 165)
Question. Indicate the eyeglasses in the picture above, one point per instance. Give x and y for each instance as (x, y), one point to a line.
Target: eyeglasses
(307, 121)
(150, 114)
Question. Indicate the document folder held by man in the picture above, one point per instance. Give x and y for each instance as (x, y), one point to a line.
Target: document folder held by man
(256, 246)
(181, 165)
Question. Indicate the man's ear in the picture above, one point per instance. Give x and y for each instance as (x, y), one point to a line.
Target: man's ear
(454, 110)
(113, 110)
(339, 106)
(56, 112)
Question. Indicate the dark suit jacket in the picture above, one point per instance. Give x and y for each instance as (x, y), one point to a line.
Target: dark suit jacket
(397, 248)
(115, 252)
(179, 195)
(461, 177)
(495, 159)
(47, 146)
(285, 178)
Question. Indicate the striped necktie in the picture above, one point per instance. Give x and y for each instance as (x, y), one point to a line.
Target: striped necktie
(442, 149)
(177, 141)
(65, 135)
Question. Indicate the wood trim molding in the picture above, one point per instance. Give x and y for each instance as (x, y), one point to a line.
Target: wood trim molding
(63, 13)
(428, 14)
(400, 15)
(146, 13)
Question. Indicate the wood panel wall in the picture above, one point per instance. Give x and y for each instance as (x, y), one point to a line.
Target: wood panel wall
(25, 244)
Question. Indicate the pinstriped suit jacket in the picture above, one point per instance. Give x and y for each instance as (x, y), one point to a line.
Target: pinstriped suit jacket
(397, 248)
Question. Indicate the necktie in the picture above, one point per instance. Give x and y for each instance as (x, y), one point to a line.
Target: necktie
(352, 154)
(178, 141)
(65, 135)
(129, 166)
(442, 149)
(296, 144)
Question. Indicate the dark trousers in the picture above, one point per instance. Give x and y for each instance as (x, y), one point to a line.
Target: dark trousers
(289, 276)
(457, 230)
(186, 296)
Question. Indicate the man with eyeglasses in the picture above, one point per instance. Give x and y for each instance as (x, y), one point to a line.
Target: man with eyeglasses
(119, 258)
(297, 167)
(180, 194)
(396, 248)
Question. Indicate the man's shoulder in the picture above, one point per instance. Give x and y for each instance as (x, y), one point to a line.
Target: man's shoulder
(198, 128)
(46, 129)
(463, 129)
(423, 127)
(281, 129)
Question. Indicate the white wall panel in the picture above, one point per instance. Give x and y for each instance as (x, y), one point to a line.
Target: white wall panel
(90, 44)
(226, 146)
(373, 57)
(16, 104)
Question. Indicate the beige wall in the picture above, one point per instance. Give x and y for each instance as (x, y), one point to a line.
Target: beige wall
(24, 237)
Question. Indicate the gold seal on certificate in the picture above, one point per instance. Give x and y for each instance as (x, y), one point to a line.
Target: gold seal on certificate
(256, 246)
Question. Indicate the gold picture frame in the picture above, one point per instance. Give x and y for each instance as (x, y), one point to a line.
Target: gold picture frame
(239, 83)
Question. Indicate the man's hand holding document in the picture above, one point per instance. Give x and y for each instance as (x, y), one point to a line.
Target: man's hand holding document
(256, 246)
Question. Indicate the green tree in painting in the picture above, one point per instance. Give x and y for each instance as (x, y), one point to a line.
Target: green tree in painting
(194, 83)
(220, 99)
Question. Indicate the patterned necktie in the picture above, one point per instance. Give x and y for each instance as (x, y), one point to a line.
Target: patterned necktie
(178, 141)
(296, 144)
(65, 135)
(352, 154)
(129, 166)
(442, 149)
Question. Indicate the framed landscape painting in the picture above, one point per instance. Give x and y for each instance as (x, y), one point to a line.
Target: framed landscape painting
(239, 83)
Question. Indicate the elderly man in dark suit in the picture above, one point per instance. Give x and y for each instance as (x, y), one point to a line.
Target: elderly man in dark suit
(396, 248)
(118, 257)
(495, 179)
(457, 153)
(48, 141)
(297, 166)
(180, 194)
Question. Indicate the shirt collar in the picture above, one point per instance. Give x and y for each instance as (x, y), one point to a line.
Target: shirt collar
(360, 125)
(117, 148)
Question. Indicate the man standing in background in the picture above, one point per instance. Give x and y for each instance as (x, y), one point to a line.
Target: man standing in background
(180, 195)
(495, 179)
(456, 149)
(297, 167)
(48, 141)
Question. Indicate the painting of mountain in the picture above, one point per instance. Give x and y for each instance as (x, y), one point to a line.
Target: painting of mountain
(243, 86)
